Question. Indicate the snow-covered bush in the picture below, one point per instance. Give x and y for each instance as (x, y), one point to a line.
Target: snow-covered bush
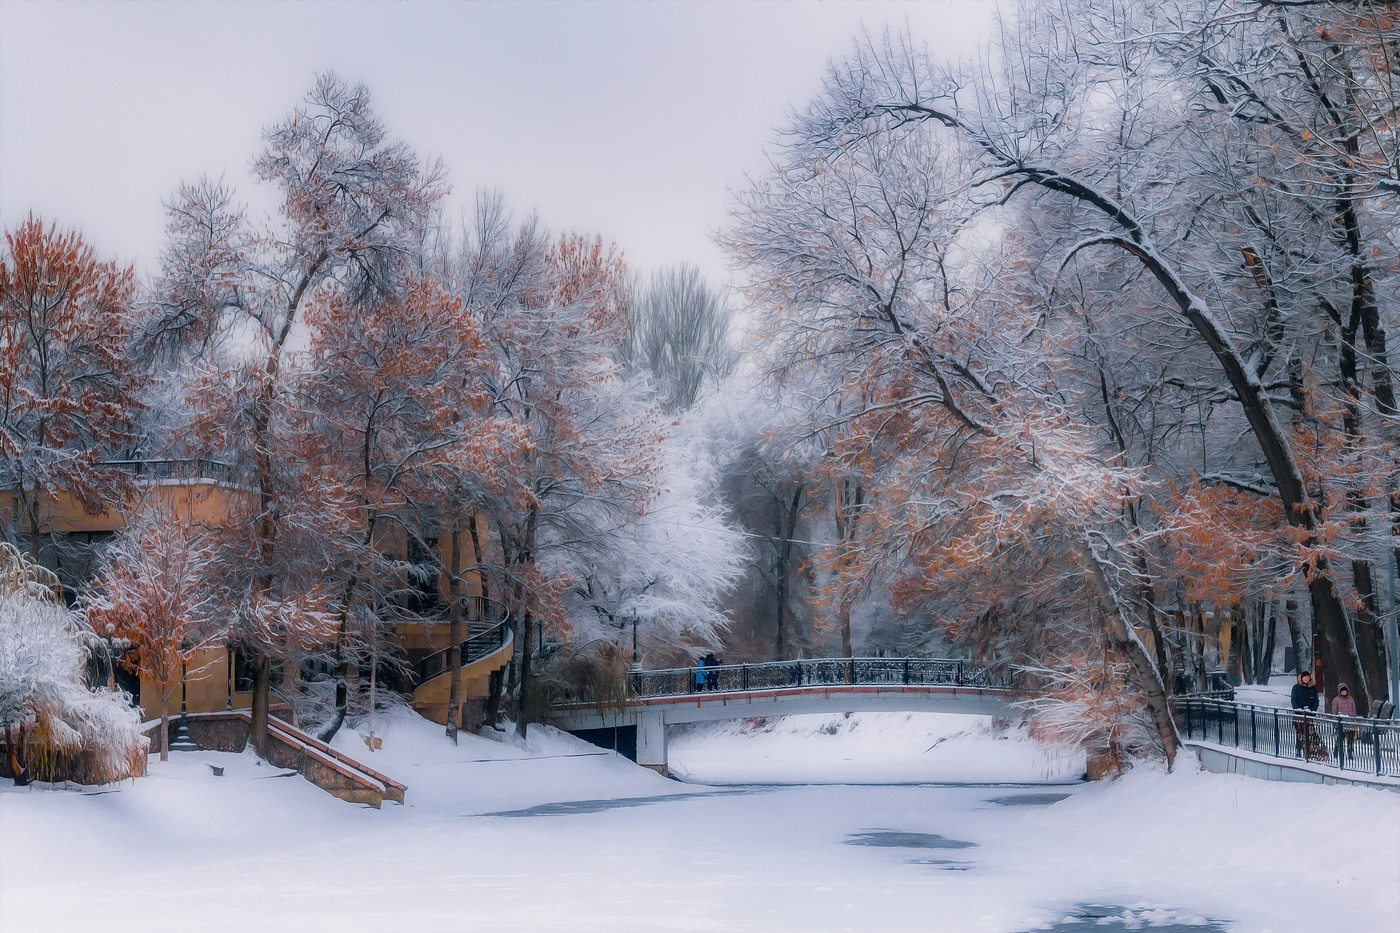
(55, 727)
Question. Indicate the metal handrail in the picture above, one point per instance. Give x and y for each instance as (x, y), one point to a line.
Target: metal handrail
(776, 675)
(473, 648)
(1350, 743)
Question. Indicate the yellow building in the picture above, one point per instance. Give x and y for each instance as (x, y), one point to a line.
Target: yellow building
(217, 677)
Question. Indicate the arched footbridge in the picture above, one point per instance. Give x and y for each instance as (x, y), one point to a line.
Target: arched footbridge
(657, 699)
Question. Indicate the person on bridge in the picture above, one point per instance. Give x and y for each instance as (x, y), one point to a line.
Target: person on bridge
(699, 674)
(1304, 696)
(711, 671)
(1344, 705)
(1304, 700)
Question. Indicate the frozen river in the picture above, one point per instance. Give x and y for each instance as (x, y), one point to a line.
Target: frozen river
(558, 836)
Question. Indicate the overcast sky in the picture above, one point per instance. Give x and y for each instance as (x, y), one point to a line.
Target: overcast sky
(628, 119)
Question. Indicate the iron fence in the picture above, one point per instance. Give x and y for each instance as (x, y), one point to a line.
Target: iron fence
(774, 675)
(475, 647)
(1346, 742)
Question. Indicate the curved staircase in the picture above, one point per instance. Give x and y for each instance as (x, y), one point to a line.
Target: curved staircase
(485, 651)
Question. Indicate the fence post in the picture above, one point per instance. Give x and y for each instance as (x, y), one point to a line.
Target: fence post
(1253, 732)
(906, 672)
(851, 671)
(1276, 751)
(745, 669)
(1376, 744)
(1219, 724)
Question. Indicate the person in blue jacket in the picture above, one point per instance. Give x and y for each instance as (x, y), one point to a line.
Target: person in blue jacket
(699, 673)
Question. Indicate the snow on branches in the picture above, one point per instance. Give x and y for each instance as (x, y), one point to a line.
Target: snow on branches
(56, 727)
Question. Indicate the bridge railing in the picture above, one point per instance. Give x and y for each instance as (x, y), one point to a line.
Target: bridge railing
(1346, 742)
(773, 675)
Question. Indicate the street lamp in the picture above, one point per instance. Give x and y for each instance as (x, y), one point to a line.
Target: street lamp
(1393, 633)
(636, 659)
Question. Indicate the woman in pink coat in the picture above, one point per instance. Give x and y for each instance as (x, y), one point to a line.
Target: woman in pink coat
(1344, 705)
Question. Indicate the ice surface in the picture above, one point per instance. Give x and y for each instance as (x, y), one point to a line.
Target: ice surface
(184, 850)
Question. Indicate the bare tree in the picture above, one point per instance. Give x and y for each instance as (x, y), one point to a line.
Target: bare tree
(679, 332)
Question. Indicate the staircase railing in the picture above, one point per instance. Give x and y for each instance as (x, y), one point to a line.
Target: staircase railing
(473, 648)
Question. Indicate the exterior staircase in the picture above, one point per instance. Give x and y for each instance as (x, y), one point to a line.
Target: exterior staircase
(288, 747)
(485, 651)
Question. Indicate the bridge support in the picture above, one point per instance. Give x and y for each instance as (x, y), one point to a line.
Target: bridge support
(651, 741)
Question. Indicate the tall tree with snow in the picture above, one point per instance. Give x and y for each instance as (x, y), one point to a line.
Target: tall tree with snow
(68, 388)
(155, 593)
(231, 297)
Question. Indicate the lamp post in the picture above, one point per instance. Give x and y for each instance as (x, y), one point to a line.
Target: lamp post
(636, 658)
(1393, 636)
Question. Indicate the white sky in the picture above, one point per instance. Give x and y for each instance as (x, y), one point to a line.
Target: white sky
(628, 119)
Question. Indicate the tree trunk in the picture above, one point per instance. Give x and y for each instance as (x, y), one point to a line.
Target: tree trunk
(454, 617)
(480, 560)
(850, 496)
(14, 751)
(493, 701)
(1302, 647)
(165, 725)
(262, 690)
(1369, 633)
(783, 571)
(1125, 640)
(525, 649)
(526, 682)
(1236, 660)
(1266, 665)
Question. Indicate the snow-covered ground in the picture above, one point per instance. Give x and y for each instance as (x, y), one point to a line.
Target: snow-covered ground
(866, 748)
(557, 835)
(1276, 693)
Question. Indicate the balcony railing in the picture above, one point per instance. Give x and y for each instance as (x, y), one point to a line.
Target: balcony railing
(175, 469)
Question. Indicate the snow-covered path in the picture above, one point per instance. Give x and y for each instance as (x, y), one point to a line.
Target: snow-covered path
(558, 837)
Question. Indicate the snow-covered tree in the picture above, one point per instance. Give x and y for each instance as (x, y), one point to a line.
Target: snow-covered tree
(56, 726)
(68, 389)
(230, 298)
(155, 592)
(679, 333)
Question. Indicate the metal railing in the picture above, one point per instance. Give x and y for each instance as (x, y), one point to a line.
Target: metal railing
(774, 675)
(175, 469)
(1350, 743)
(475, 647)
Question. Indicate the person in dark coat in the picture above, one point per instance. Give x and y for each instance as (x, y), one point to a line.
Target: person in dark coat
(711, 672)
(1304, 700)
(1304, 696)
